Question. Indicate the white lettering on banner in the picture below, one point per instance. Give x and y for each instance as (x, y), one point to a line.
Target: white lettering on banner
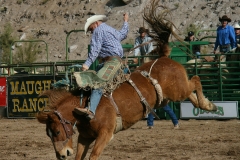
(2, 89)
(225, 109)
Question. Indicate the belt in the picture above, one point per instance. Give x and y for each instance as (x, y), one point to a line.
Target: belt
(105, 59)
(225, 46)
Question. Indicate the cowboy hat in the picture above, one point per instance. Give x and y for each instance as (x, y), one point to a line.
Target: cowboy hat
(236, 25)
(225, 17)
(93, 19)
(142, 30)
(190, 33)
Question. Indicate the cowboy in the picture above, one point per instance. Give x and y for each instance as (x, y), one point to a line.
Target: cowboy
(237, 33)
(105, 45)
(225, 36)
(145, 49)
(195, 48)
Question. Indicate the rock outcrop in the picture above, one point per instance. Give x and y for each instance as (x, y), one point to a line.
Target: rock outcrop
(53, 20)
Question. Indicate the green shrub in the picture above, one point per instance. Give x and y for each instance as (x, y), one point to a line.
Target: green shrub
(27, 53)
(6, 39)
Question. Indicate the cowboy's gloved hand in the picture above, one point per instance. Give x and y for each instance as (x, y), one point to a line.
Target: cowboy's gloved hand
(84, 67)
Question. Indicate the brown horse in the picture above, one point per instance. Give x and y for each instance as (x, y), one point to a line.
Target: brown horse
(171, 76)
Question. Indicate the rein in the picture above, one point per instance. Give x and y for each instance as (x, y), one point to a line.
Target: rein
(65, 122)
(59, 145)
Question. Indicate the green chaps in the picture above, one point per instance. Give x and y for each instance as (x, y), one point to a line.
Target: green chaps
(100, 79)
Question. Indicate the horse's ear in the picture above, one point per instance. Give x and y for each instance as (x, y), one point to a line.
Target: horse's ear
(42, 117)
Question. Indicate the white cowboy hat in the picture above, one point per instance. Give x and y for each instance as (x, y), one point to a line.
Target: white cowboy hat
(93, 19)
(236, 25)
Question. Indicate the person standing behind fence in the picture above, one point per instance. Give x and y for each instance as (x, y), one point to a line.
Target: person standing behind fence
(195, 48)
(145, 49)
(169, 111)
(225, 37)
(237, 33)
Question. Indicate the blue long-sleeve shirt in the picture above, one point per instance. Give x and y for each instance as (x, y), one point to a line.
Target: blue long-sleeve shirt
(106, 41)
(225, 36)
(143, 50)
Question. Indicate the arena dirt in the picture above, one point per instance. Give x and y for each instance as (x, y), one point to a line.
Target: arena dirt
(26, 139)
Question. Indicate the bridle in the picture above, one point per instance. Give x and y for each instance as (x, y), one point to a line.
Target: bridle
(59, 145)
(69, 131)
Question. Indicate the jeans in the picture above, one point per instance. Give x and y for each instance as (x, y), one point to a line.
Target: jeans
(169, 111)
(95, 99)
(96, 94)
(197, 54)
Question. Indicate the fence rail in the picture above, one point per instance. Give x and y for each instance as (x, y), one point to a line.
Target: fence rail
(220, 80)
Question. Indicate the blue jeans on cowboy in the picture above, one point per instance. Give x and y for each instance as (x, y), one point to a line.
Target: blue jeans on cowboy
(96, 94)
(95, 99)
(169, 111)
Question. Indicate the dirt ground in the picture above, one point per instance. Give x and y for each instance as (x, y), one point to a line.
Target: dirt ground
(25, 139)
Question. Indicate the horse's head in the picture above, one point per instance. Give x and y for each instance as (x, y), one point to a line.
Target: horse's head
(60, 131)
(59, 121)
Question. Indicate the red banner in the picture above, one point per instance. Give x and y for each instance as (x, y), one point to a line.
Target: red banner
(3, 92)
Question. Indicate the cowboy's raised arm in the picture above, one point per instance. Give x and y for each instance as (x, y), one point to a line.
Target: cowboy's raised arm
(124, 31)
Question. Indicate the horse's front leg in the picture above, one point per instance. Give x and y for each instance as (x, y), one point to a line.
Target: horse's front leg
(103, 138)
(82, 147)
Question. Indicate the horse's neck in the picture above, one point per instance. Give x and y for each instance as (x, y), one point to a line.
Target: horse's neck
(66, 113)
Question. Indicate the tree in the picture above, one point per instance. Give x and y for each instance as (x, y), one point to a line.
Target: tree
(6, 39)
(27, 53)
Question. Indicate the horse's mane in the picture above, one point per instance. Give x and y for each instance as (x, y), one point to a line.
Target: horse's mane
(158, 18)
(56, 96)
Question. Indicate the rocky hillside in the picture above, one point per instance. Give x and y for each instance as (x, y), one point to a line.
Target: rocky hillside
(52, 20)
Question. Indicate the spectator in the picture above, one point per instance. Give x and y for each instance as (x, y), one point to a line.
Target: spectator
(225, 37)
(105, 45)
(237, 33)
(195, 48)
(145, 49)
(169, 111)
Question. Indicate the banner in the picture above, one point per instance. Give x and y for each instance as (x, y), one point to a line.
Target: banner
(23, 91)
(225, 110)
(3, 92)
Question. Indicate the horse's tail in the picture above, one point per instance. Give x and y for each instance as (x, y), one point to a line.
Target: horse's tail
(158, 18)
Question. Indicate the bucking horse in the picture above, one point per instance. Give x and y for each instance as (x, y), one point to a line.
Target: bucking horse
(152, 85)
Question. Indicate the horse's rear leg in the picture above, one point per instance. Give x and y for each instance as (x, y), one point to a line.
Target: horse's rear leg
(103, 138)
(199, 101)
(82, 147)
